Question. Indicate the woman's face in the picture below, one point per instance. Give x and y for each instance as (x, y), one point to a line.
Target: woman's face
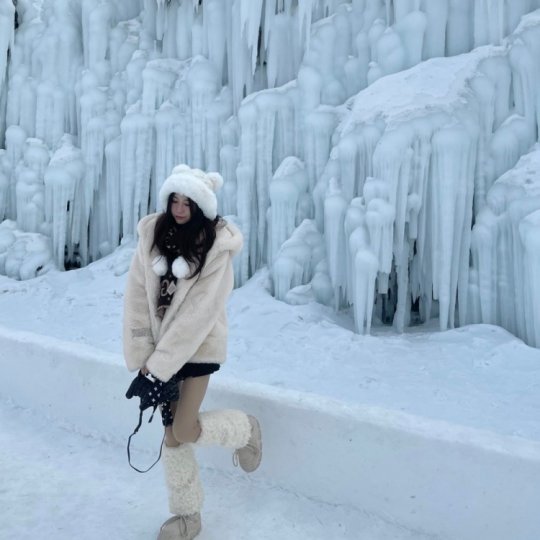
(180, 209)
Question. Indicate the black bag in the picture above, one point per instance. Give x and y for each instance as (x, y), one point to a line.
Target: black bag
(152, 393)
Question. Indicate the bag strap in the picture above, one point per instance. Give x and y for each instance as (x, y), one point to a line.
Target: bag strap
(134, 432)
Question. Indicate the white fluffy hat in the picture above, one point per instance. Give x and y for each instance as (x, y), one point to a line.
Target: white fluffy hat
(199, 186)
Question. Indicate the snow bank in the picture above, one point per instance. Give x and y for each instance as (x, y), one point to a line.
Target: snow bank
(418, 473)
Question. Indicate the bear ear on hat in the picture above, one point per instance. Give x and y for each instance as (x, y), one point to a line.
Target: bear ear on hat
(216, 180)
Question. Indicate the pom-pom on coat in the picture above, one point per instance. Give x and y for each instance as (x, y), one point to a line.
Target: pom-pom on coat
(194, 327)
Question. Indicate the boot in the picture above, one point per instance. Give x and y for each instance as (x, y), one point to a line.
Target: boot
(233, 429)
(181, 527)
(249, 456)
(185, 493)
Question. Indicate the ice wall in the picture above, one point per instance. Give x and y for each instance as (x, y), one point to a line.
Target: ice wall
(414, 159)
(504, 284)
(139, 86)
(103, 98)
(360, 43)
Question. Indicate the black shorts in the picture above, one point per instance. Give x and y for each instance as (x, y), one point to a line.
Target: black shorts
(191, 369)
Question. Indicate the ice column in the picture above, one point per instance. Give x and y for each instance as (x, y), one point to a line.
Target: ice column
(62, 180)
(288, 184)
(529, 230)
(453, 168)
(335, 206)
(7, 25)
(203, 89)
(15, 142)
(4, 185)
(504, 252)
(136, 168)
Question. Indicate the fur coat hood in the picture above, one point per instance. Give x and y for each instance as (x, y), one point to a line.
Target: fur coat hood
(194, 328)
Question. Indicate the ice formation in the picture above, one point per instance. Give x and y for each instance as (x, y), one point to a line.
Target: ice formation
(359, 140)
(504, 288)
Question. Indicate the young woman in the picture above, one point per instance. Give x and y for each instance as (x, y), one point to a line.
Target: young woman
(175, 328)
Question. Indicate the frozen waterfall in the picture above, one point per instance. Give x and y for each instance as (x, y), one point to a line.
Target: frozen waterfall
(364, 143)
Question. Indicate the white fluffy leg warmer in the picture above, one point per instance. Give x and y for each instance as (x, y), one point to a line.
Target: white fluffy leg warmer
(182, 478)
(226, 427)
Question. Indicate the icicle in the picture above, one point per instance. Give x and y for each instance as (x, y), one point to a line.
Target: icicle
(7, 26)
(246, 171)
(411, 30)
(279, 67)
(114, 206)
(436, 28)
(216, 116)
(135, 167)
(216, 36)
(525, 84)
(228, 194)
(15, 142)
(452, 177)
(250, 22)
(318, 136)
(305, 12)
(288, 183)
(244, 203)
(335, 206)
(348, 153)
(4, 186)
(62, 176)
(529, 236)
(203, 87)
(364, 270)
(380, 217)
(165, 120)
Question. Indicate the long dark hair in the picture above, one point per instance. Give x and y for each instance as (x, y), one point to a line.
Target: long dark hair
(194, 239)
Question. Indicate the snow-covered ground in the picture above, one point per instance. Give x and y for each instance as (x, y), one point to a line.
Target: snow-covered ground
(474, 389)
(479, 376)
(58, 485)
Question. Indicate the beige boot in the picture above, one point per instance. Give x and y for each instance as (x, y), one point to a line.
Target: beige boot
(249, 456)
(181, 527)
(185, 493)
(233, 429)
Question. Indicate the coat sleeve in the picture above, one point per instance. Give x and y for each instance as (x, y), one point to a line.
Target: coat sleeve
(137, 334)
(195, 319)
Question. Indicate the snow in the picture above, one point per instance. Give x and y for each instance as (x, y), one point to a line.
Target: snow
(465, 399)
(360, 141)
(478, 375)
(58, 484)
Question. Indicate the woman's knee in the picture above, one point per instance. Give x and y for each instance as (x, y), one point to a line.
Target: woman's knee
(186, 432)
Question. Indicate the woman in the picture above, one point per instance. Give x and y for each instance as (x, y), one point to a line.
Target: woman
(175, 328)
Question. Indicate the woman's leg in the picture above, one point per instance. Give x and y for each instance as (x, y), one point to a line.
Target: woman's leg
(233, 429)
(181, 469)
(186, 428)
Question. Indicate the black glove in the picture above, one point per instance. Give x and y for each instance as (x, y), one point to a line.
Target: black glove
(152, 392)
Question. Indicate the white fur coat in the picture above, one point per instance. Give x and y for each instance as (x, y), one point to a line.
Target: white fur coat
(194, 327)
